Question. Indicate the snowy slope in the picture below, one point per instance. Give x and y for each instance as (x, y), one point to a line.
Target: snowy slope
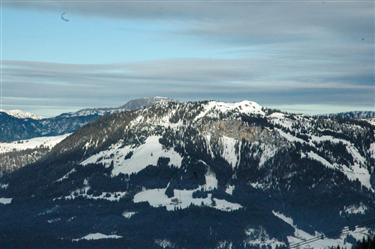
(304, 240)
(139, 157)
(47, 142)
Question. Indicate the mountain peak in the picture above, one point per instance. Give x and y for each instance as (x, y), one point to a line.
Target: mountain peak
(21, 114)
(144, 102)
(243, 107)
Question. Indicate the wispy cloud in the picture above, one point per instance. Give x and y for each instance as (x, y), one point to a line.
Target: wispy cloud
(266, 81)
(244, 21)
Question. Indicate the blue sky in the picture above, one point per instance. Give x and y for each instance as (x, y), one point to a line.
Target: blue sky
(34, 35)
(311, 56)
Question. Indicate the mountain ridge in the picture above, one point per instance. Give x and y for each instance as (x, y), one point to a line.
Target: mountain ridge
(350, 115)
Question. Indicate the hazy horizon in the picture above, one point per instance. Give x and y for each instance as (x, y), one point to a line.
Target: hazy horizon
(299, 109)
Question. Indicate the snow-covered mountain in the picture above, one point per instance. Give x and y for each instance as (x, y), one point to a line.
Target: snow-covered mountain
(198, 175)
(21, 114)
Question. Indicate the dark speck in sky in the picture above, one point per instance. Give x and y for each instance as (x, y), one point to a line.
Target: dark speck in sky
(63, 17)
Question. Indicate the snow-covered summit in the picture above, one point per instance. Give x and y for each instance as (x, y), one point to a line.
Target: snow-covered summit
(21, 114)
(246, 107)
(243, 107)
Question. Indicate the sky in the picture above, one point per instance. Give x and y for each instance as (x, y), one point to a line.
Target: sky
(304, 56)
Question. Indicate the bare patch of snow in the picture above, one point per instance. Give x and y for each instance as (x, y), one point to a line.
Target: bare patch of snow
(211, 181)
(257, 185)
(229, 150)
(108, 196)
(98, 236)
(182, 199)
(225, 205)
(128, 214)
(83, 193)
(356, 209)
(289, 137)
(268, 151)
(312, 155)
(164, 243)
(53, 220)
(66, 176)
(142, 156)
(372, 150)
(229, 190)
(5, 201)
(207, 137)
(4, 186)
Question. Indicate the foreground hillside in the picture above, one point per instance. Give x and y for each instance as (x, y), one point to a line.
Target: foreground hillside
(197, 175)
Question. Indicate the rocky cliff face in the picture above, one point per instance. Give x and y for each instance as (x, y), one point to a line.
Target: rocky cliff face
(199, 175)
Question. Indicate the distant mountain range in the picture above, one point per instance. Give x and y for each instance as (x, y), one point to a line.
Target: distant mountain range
(193, 175)
(18, 125)
(131, 105)
(351, 115)
(26, 137)
(21, 114)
